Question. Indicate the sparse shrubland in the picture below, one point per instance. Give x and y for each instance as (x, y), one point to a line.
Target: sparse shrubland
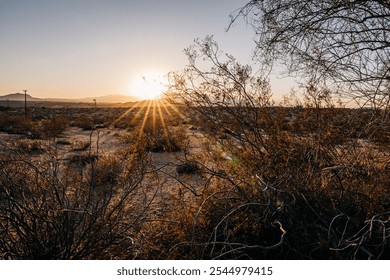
(299, 183)
(227, 174)
(54, 211)
(36, 128)
(255, 181)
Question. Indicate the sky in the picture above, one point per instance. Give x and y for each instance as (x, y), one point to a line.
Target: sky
(83, 48)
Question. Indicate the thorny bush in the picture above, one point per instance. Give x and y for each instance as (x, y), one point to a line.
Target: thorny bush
(51, 210)
(284, 182)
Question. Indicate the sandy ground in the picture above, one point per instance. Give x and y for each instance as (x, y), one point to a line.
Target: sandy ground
(109, 141)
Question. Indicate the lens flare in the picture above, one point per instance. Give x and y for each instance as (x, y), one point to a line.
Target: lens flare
(149, 86)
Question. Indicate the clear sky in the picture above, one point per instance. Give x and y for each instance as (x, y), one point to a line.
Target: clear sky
(80, 48)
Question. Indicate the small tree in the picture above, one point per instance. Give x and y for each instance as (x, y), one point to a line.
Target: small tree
(343, 44)
(278, 191)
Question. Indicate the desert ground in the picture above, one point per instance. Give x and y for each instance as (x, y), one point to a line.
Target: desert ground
(157, 181)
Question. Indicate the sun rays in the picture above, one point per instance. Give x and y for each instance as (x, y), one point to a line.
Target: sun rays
(151, 114)
(151, 117)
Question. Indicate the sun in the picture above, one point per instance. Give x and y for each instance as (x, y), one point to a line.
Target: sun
(148, 86)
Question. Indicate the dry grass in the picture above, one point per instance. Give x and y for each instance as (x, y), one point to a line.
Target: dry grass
(281, 183)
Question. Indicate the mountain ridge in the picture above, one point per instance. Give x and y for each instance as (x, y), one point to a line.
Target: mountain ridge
(99, 99)
(19, 97)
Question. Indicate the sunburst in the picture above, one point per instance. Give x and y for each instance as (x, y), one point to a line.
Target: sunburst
(152, 111)
(148, 86)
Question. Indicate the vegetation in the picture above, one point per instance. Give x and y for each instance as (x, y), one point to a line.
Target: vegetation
(54, 211)
(218, 170)
(254, 181)
(338, 44)
(300, 182)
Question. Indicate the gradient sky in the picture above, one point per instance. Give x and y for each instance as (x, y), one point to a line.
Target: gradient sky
(80, 48)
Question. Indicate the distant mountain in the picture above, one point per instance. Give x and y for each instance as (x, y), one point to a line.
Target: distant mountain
(18, 97)
(99, 99)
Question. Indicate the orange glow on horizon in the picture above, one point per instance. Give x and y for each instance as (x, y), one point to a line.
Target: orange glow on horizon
(149, 86)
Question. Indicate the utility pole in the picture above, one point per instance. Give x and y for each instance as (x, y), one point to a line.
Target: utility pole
(25, 102)
(94, 113)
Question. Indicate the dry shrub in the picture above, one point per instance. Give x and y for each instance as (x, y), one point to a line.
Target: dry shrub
(15, 124)
(163, 139)
(29, 147)
(294, 207)
(81, 145)
(296, 183)
(162, 144)
(54, 211)
(85, 123)
(80, 160)
(50, 127)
